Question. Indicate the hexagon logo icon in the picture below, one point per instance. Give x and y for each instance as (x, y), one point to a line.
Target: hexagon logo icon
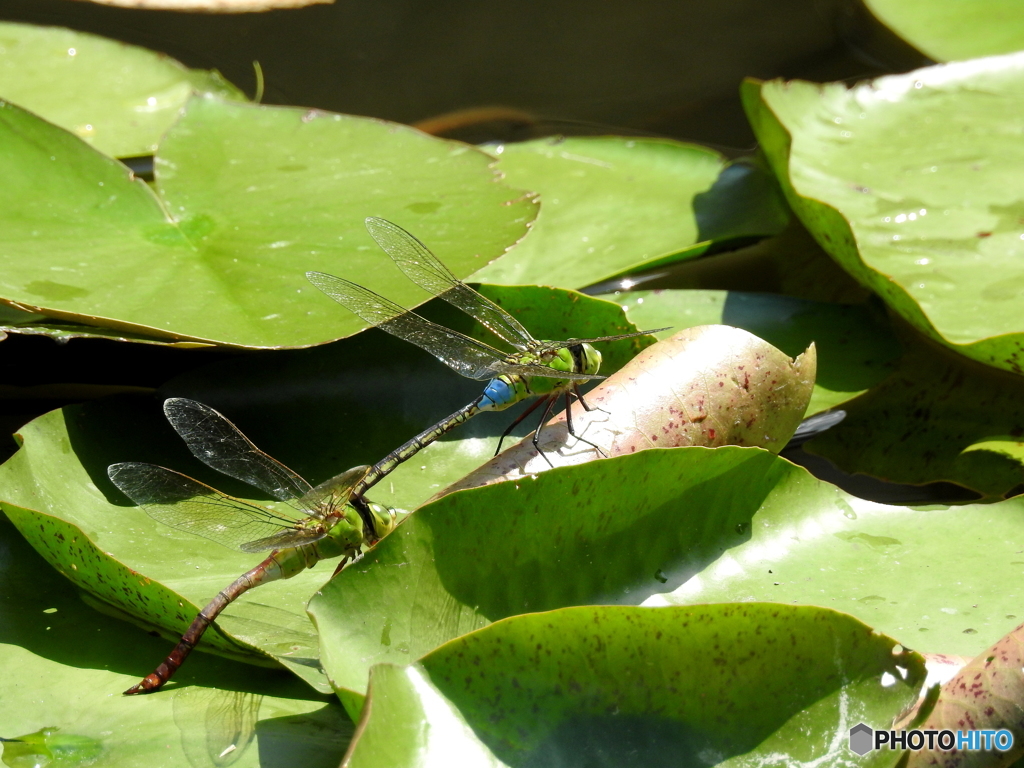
(862, 739)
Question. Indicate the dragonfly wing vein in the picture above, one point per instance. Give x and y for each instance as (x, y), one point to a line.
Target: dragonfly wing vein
(466, 356)
(520, 369)
(427, 271)
(180, 502)
(550, 346)
(284, 540)
(215, 441)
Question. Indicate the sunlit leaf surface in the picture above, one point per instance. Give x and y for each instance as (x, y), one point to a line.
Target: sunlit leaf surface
(634, 686)
(247, 199)
(948, 30)
(118, 98)
(913, 184)
(612, 205)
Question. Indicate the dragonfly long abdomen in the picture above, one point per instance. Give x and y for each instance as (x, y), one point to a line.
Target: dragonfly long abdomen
(409, 449)
(280, 565)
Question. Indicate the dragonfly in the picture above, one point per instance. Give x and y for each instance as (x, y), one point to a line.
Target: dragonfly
(323, 522)
(548, 369)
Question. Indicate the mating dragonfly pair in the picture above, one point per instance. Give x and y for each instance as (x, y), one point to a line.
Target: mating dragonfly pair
(334, 519)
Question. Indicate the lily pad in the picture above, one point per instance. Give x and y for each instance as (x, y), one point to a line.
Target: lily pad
(947, 30)
(631, 686)
(613, 205)
(118, 98)
(65, 665)
(938, 417)
(248, 198)
(855, 344)
(568, 542)
(984, 695)
(913, 184)
(910, 572)
(675, 526)
(33, 324)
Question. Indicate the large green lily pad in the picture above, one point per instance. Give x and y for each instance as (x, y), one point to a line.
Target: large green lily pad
(65, 666)
(733, 685)
(910, 572)
(247, 199)
(683, 525)
(913, 184)
(949, 30)
(613, 205)
(118, 98)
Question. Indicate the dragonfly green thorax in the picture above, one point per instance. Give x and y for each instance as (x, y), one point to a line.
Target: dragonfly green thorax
(328, 521)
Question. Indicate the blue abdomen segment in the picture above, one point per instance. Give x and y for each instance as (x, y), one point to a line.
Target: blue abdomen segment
(499, 394)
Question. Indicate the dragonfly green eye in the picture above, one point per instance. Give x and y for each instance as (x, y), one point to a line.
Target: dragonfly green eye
(383, 519)
(589, 359)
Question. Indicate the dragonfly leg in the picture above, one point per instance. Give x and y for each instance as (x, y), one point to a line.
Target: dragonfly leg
(550, 401)
(342, 564)
(533, 407)
(586, 406)
(568, 423)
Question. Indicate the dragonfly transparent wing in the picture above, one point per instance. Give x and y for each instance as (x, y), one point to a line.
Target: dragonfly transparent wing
(216, 726)
(428, 272)
(519, 369)
(469, 357)
(180, 502)
(219, 444)
(338, 487)
(553, 345)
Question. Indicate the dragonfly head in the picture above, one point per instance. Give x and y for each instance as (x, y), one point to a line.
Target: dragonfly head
(384, 519)
(579, 358)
